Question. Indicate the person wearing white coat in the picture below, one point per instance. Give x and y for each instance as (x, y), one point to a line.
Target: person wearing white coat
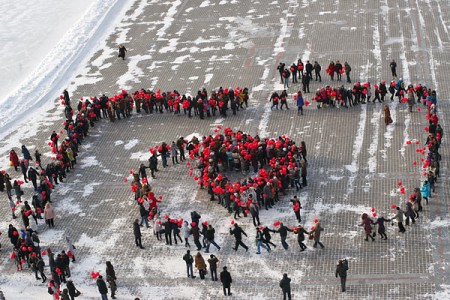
(186, 231)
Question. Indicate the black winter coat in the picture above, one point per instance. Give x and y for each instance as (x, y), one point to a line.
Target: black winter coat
(136, 229)
(237, 232)
(101, 284)
(285, 284)
(225, 278)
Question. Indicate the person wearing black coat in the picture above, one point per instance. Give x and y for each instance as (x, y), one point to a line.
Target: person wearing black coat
(168, 231)
(40, 267)
(2, 182)
(60, 265)
(189, 261)
(280, 69)
(137, 234)
(341, 270)
(195, 231)
(317, 69)
(102, 288)
(285, 285)
(305, 84)
(283, 231)
(72, 289)
(225, 278)
(142, 172)
(153, 164)
(176, 232)
(237, 232)
(144, 215)
(33, 175)
(122, 51)
(308, 69)
(300, 231)
(267, 237)
(110, 270)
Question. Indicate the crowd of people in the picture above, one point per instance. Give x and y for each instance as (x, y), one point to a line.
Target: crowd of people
(276, 165)
(409, 211)
(28, 253)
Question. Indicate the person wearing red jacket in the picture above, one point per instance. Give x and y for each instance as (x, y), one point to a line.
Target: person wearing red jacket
(14, 159)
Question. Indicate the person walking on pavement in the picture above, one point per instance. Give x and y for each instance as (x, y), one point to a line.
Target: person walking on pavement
(286, 74)
(254, 211)
(260, 241)
(237, 232)
(122, 51)
(195, 231)
(102, 288)
(283, 231)
(393, 66)
(209, 234)
(280, 69)
(300, 103)
(189, 261)
(225, 278)
(137, 234)
(111, 278)
(341, 271)
(285, 285)
(399, 217)
(367, 224)
(267, 237)
(300, 231)
(316, 231)
(296, 206)
(381, 227)
(213, 261)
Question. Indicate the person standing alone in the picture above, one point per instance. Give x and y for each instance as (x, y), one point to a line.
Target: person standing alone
(285, 285)
(225, 278)
(341, 270)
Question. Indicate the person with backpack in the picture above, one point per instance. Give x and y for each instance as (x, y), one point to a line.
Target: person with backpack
(341, 271)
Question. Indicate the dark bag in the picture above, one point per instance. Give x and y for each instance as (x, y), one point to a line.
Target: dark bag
(77, 293)
(50, 291)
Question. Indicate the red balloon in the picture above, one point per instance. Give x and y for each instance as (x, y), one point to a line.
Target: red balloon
(393, 206)
(316, 221)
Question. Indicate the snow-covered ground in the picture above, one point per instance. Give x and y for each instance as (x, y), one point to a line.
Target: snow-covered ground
(44, 44)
